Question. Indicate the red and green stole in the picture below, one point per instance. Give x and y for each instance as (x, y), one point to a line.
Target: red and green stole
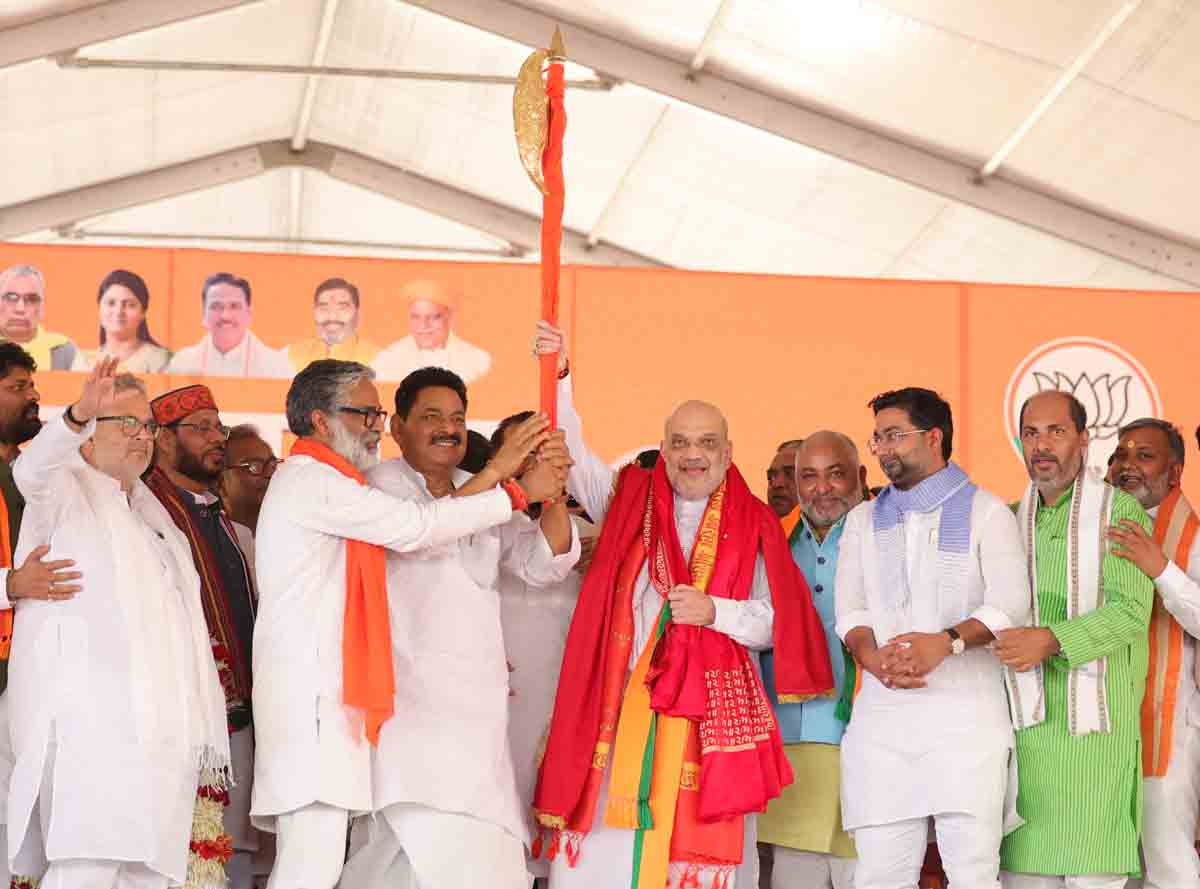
(692, 735)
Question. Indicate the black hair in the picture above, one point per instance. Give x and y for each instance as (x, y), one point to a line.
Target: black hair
(647, 459)
(479, 451)
(11, 356)
(134, 284)
(507, 423)
(925, 408)
(427, 378)
(335, 284)
(224, 278)
(1170, 430)
(1074, 406)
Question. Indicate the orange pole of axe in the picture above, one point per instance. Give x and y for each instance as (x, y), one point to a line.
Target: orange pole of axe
(553, 201)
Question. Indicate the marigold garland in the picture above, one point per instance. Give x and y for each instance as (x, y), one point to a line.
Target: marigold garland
(210, 848)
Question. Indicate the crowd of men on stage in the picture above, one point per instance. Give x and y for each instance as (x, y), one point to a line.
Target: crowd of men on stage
(488, 661)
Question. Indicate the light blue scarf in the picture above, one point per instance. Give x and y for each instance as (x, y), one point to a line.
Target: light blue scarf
(947, 488)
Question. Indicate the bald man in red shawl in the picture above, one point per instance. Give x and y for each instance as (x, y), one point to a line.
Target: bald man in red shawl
(663, 746)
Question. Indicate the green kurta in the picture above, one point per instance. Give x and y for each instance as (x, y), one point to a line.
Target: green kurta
(1081, 798)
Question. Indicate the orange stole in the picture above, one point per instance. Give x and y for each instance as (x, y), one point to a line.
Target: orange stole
(1175, 529)
(6, 554)
(789, 522)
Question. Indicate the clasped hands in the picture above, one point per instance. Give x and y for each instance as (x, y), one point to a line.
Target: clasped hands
(536, 456)
(906, 660)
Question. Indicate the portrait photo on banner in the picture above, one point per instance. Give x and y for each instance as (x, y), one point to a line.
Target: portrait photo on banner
(242, 315)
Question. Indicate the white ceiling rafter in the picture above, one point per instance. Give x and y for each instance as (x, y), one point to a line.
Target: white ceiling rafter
(72, 30)
(509, 225)
(1166, 253)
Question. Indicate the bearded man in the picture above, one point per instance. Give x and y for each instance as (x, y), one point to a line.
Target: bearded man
(1148, 464)
(324, 674)
(189, 455)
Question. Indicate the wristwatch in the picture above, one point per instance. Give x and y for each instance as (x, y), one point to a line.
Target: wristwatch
(957, 645)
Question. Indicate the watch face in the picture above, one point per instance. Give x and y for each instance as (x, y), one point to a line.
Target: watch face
(958, 646)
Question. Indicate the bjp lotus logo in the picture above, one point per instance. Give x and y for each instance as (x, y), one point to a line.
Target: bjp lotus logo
(1110, 383)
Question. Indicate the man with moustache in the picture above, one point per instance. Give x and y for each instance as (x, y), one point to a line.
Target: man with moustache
(444, 793)
(804, 824)
(324, 679)
(35, 579)
(781, 484)
(928, 574)
(117, 711)
(1076, 675)
(663, 748)
(1148, 465)
(189, 456)
(230, 349)
(335, 316)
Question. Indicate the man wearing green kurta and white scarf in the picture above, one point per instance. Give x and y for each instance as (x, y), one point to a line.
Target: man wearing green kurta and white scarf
(1077, 675)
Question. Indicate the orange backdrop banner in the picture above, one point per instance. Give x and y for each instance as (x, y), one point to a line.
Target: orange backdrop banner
(782, 356)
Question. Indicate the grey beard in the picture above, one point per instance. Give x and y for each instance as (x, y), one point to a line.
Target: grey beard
(351, 447)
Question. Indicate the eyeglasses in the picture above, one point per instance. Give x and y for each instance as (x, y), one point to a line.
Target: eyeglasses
(207, 429)
(889, 439)
(32, 300)
(371, 415)
(258, 467)
(132, 426)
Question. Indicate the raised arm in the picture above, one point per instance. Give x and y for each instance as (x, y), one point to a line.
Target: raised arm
(35, 471)
(333, 504)
(591, 480)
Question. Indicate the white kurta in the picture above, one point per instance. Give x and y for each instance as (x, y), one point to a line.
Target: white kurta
(249, 358)
(404, 356)
(106, 689)
(535, 621)
(1171, 801)
(606, 855)
(911, 753)
(448, 747)
(311, 748)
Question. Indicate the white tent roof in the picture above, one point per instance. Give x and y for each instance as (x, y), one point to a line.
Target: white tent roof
(814, 137)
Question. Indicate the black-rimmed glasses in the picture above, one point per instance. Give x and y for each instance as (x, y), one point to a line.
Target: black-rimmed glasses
(132, 426)
(371, 415)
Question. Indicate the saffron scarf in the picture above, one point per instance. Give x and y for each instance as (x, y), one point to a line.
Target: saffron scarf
(368, 680)
(1089, 518)
(1175, 528)
(717, 781)
(233, 666)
